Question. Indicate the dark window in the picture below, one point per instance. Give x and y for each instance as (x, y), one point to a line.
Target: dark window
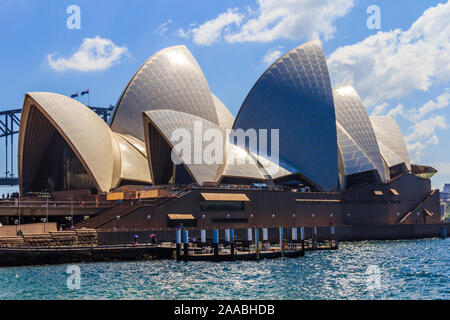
(185, 223)
(229, 220)
(222, 205)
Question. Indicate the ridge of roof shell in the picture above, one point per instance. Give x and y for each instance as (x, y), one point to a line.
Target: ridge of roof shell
(297, 87)
(134, 165)
(166, 121)
(225, 117)
(389, 134)
(134, 76)
(170, 79)
(352, 116)
(355, 160)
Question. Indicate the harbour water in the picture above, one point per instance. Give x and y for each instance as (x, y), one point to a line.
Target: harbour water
(413, 269)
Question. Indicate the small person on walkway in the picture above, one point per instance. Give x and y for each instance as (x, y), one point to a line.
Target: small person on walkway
(153, 238)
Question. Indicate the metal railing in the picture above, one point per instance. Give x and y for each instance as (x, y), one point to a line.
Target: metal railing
(14, 203)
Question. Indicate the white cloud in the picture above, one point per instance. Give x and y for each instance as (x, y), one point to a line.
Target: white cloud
(379, 110)
(398, 110)
(440, 102)
(395, 63)
(423, 129)
(417, 149)
(94, 54)
(211, 31)
(414, 114)
(426, 128)
(272, 55)
(272, 20)
(163, 27)
(423, 134)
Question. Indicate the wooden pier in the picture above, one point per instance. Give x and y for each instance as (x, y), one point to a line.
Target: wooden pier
(243, 252)
(253, 249)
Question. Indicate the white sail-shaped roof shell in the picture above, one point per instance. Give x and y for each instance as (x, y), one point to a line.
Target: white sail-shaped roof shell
(83, 130)
(134, 164)
(167, 122)
(295, 96)
(225, 117)
(355, 160)
(171, 79)
(352, 116)
(390, 137)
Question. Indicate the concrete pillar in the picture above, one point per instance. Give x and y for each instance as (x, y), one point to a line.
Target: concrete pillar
(227, 235)
(203, 236)
(294, 234)
(265, 234)
(249, 234)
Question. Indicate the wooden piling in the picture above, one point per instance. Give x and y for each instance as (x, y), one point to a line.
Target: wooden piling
(281, 242)
(233, 257)
(334, 238)
(186, 245)
(314, 238)
(178, 243)
(257, 243)
(443, 232)
(216, 243)
(302, 239)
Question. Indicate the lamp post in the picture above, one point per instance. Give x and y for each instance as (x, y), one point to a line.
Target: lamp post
(71, 211)
(46, 219)
(18, 203)
(117, 223)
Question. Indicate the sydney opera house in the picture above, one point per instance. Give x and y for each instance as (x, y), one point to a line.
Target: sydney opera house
(331, 163)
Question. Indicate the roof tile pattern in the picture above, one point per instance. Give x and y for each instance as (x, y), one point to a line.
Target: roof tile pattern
(171, 79)
(295, 96)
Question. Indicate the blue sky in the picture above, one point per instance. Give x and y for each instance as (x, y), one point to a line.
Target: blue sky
(402, 69)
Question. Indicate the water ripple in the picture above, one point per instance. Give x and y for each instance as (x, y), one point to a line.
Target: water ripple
(416, 269)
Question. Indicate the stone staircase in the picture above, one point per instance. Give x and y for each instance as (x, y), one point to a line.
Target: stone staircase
(106, 216)
(120, 211)
(77, 238)
(419, 207)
